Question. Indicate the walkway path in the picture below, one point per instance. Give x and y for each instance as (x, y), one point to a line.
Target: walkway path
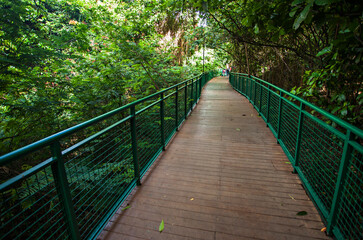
(222, 177)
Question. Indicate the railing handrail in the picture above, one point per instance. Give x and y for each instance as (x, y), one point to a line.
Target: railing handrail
(118, 153)
(6, 158)
(358, 132)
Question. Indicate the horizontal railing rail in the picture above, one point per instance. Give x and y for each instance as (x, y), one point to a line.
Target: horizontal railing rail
(327, 159)
(84, 173)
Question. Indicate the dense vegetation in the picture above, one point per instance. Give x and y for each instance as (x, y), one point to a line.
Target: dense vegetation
(63, 62)
(312, 47)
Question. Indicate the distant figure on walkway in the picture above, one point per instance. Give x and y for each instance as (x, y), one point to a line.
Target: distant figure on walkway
(224, 72)
(227, 72)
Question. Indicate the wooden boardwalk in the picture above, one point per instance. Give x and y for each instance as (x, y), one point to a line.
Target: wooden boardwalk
(222, 177)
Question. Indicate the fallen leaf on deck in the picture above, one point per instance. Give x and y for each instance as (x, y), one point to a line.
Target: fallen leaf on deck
(292, 197)
(323, 229)
(192, 199)
(302, 213)
(161, 226)
(238, 129)
(288, 162)
(125, 208)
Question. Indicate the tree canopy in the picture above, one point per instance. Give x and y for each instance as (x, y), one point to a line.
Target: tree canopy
(65, 61)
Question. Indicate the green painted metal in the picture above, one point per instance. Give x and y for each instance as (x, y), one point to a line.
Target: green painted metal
(343, 169)
(328, 160)
(162, 120)
(177, 108)
(298, 138)
(61, 182)
(91, 168)
(268, 106)
(281, 102)
(134, 145)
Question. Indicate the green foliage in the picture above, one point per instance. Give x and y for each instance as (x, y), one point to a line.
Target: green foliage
(313, 47)
(64, 62)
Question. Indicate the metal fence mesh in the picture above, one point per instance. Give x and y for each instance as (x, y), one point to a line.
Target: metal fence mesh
(350, 211)
(318, 152)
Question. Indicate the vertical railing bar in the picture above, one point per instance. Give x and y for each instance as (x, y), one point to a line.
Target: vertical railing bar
(343, 169)
(279, 118)
(162, 121)
(298, 137)
(186, 100)
(63, 191)
(134, 145)
(250, 88)
(176, 108)
(255, 95)
(260, 105)
(191, 96)
(200, 86)
(268, 105)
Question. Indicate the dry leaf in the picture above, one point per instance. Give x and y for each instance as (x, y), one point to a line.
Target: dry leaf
(191, 199)
(323, 229)
(292, 197)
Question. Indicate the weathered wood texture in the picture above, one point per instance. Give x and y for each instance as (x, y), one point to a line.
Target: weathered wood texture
(222, 177)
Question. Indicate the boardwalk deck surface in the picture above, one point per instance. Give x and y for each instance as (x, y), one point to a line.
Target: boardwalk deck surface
(222, 177)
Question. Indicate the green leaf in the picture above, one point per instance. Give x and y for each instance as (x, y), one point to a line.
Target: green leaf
(125, 208)
(302, 213)
(323, 2)
(161, 226)
(297, 2)
(325, 50)
(302, 16)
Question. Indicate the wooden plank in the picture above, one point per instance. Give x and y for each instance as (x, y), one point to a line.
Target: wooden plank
(222, 177)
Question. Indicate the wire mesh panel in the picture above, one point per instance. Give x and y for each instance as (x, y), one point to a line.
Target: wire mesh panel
(31, 209)
(181, 105)
(274, 110)
(350, 210)
(264, 99)
(98, 173)
(258, 94)
(320, 155)
(289, 126)
(148, 135)
(169, 116)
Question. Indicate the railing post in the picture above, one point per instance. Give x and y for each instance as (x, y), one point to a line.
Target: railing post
(134, 145)
(176, 108)
(254, 96)
(243, 85)
(162, 121)
(298, 137)
(186, 100)
(260, 105)
(250, 88)
(279, 119)
(200, 86)
(268, 105)
(343, 168)
(240, 83)
(191, 96)
(64, 193)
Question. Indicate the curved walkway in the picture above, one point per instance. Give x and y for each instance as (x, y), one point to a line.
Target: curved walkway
(222, 177)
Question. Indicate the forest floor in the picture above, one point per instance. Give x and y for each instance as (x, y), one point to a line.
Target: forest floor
(222, 177)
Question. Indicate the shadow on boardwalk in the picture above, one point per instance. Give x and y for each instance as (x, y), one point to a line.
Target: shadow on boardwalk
(222, 177)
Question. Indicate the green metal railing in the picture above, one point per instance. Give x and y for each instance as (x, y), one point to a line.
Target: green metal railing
(90, 169)
(328, 159)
